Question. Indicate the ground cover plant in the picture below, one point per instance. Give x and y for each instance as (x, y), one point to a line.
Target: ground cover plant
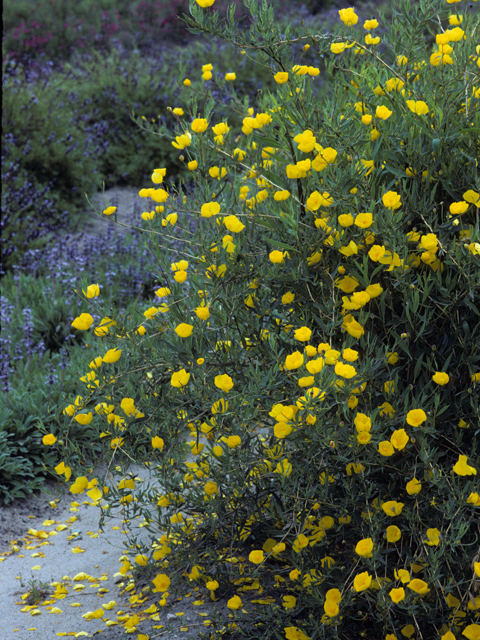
(41, 353)
(318, 339)
(55, 30)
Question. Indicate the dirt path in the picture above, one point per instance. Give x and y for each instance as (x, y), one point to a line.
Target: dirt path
(129, 208)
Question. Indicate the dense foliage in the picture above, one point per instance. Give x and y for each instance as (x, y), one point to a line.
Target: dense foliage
(318, 339)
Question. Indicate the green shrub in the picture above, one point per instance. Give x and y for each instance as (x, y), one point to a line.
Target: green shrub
(319, 339)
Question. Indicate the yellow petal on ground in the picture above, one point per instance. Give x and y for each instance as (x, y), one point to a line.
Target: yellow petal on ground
(81, 576)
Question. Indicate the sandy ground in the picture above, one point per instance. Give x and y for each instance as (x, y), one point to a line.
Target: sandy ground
(53, 546)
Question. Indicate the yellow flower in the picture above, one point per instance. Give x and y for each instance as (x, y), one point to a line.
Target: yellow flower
(333, 595)
(345, 370)
(457, 208)
(180, 378)
(182, 141)
(461, 467)
(392, 508)
(371, 40)
(383, 112)
(203, 312)
(233, 224)
(331, 608)
(364, 548)
(294, 361)
(364, 220)
(79, 485)
(199, 125)
(84, 418)
(92, 291)
(352, 327)
(281, 77)
(417, 106)
(362, 581)
(230, 76)
(363, 437)
(109, 210)
(419, 586)
(472, 632)
(278, 196)
(256, 556)
(157, 443)
(350, 355)
(211, 488)
(294, 633)
(399, 439)
(391, 200)
(393, 534)
(370, 24)
(338, 47)
(161, 582)
(472, 197)
(433, 536)
(403, 575)
(210, 209)
(385, 448)
(348, 16)
(284, 468)
(49, 439)
(416, 417)
(303, 334)
(376, 252)
(362, 422)
(345, 220)
(205, 3)
(387, 409)
(224, 382)
(289, 602)
(277, 257)
(83, 322)
(112, 356)
(413, 487)
(212, 585)
(474, 498)
(184, 330)
(441, 378)
(397, 595)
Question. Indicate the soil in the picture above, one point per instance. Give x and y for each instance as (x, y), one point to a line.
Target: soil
(16, 518)
(88, 223)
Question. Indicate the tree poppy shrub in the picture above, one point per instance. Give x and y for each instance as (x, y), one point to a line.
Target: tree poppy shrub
(318, 338)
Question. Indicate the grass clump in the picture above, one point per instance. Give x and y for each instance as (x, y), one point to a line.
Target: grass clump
(316, 340)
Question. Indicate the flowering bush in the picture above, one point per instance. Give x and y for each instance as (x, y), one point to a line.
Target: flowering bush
(317, 342)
